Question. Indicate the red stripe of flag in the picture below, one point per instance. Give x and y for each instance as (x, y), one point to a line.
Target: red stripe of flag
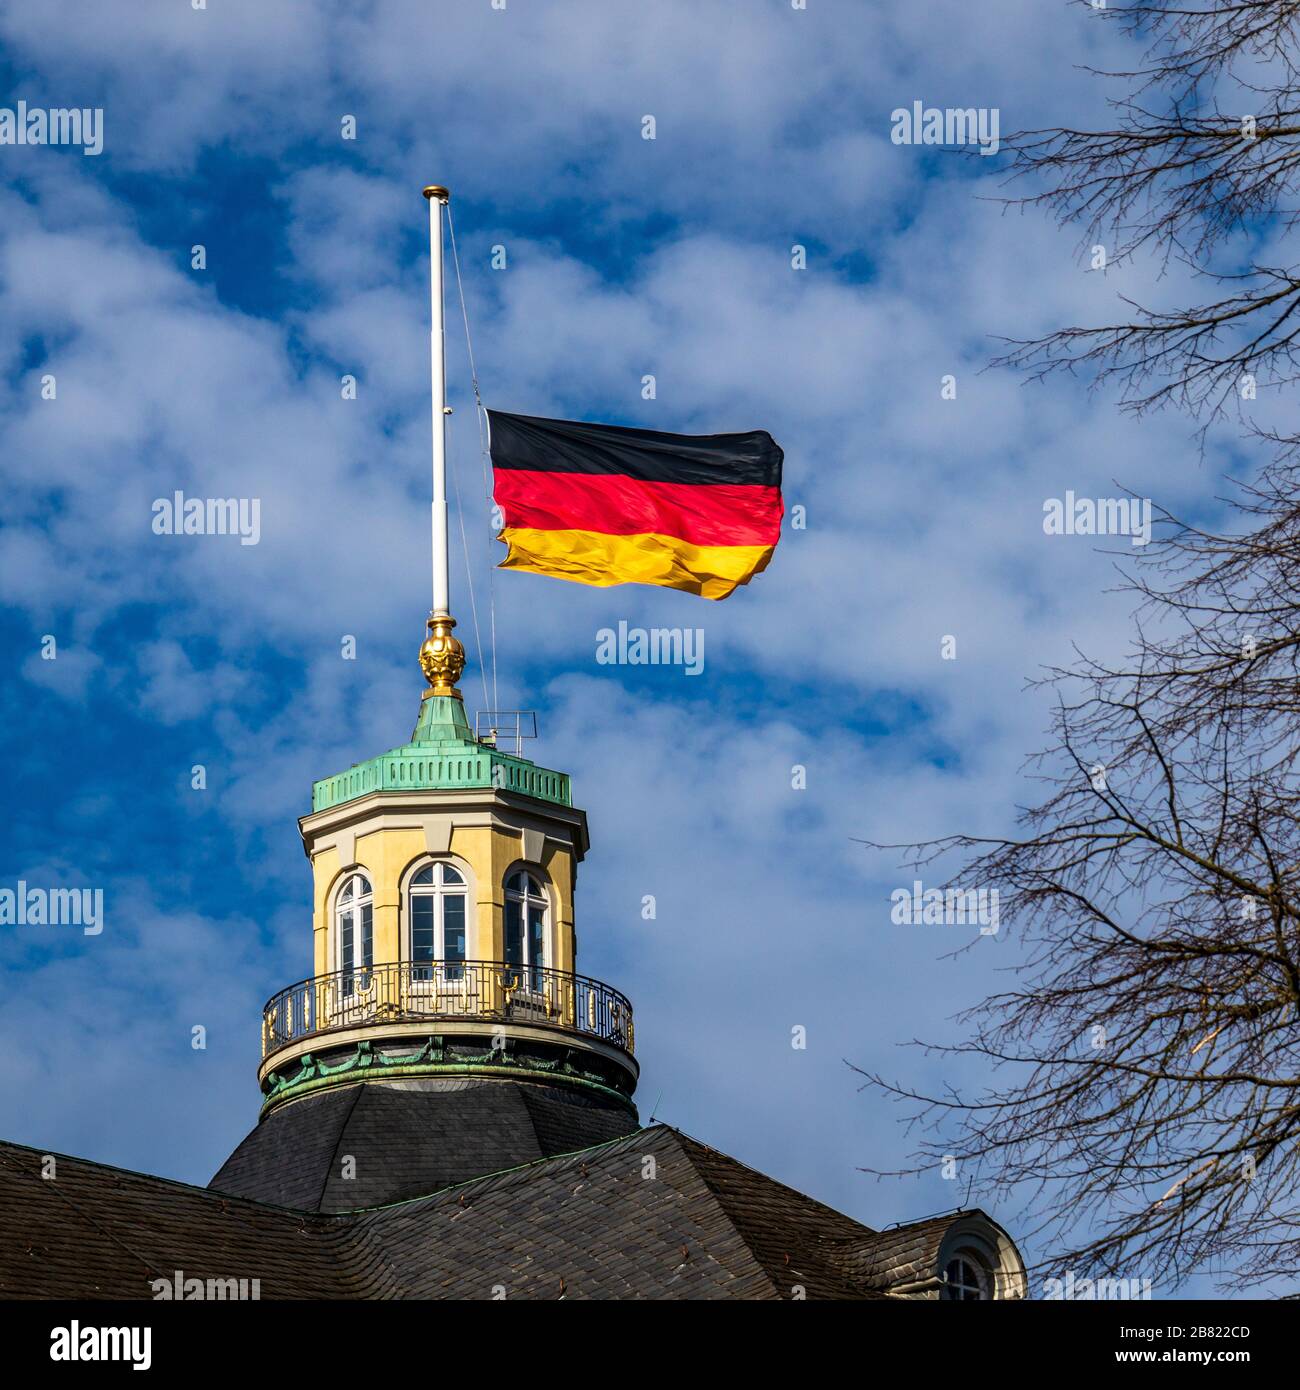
(713, 514)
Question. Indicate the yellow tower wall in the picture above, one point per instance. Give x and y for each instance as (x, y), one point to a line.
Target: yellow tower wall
(388, 854)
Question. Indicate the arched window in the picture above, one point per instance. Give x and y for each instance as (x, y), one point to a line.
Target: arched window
(966, 1280)
(526, 908)
(437, 897)
(355, 930)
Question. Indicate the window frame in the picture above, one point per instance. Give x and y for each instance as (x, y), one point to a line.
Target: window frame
(529, 967)
(982, 1285)
(439, 892)
(355, 933)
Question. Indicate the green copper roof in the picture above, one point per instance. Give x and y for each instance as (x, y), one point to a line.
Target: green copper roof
(442, 755)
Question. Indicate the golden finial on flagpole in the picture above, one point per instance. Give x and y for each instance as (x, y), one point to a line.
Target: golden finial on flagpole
(442, 658)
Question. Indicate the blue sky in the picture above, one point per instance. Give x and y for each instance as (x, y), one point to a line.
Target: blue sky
(625, 257)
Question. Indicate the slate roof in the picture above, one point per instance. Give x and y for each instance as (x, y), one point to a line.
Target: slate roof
(97, 1232)
(903, 1255)
(407, 1139)
(652, 1214)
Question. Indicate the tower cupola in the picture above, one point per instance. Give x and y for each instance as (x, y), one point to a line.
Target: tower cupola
(443, 931)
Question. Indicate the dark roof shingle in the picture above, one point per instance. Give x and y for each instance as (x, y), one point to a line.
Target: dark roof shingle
(94, 1232)
(407, 1140)
(649, 1215)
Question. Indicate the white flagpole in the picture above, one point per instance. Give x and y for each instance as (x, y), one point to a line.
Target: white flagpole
(442, 657)
(438, 198)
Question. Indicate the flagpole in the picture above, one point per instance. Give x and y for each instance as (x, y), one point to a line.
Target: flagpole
(442, 657)
(437, 198)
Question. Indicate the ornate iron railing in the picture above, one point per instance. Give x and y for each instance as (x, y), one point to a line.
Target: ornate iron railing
(442, 990)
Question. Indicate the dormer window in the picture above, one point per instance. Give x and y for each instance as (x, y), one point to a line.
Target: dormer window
(977, 1262)
(355, 931)
(437, 896)
(526, 910)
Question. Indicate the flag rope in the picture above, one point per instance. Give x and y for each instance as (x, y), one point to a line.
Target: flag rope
(484, 451)
(469, 576)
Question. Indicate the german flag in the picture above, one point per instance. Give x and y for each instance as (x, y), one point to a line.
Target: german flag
(603, 504)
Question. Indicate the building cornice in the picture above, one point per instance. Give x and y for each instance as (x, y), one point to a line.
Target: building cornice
(506, 811)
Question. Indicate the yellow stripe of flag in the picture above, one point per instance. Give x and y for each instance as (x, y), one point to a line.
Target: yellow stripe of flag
(592, 557)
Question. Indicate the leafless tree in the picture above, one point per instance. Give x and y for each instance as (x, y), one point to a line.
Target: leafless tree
(1146, 1081)
(1200, 166)
(1150, 1053)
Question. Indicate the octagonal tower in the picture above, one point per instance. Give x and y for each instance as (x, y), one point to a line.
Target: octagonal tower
(445, 1016)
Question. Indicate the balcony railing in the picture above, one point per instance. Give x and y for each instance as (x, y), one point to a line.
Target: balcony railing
(435, 991)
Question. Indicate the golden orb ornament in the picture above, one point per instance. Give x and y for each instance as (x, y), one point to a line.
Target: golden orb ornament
(442, 658)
